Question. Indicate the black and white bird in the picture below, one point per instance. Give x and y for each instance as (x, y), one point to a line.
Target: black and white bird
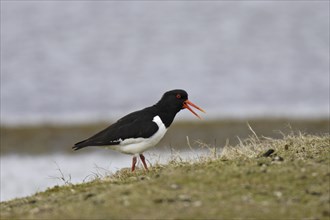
(138, 131)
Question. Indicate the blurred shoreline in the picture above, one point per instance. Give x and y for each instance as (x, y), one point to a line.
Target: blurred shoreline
(59, 138)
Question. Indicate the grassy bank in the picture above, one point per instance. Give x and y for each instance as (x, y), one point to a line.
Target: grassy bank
(258, 178)
(45, 139)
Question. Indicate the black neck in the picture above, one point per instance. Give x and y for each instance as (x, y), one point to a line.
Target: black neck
(166, 113)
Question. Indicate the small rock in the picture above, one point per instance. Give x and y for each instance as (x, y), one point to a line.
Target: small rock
(278, 158)
(174, 186)
(303, 177)
(326, 213)
(268, 153)
(197, 204)
(158, 200)
(144, 178)
(278, 194)
(313, 192)
(185, 198)
(126, 192)
(161, 200)
(32, 201)
(262, 164)
(263, 169)
(88, 196)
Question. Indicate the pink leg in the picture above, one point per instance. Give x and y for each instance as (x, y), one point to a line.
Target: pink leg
(133, 163)
(144, 162)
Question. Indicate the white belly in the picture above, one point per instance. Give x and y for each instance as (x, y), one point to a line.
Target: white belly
(139, 145)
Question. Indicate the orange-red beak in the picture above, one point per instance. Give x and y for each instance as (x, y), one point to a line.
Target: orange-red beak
(186, 105)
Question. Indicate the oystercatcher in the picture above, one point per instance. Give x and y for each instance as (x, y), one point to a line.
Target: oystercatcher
(138, 131)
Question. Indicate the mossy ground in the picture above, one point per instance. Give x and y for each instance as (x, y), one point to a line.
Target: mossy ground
(292, 182)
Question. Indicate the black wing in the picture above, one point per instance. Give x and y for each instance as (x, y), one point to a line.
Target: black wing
(134, 125)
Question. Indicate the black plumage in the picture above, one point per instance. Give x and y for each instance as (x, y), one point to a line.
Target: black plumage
(134, 125)
(142, 129)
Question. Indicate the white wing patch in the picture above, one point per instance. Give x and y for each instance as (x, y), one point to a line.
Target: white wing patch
(139, 145)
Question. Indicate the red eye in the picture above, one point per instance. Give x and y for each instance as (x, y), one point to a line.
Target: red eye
(178, 96)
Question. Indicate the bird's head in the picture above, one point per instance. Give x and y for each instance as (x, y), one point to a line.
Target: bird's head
(178, 99)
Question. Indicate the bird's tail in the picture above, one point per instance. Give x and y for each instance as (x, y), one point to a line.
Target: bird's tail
(79, 145)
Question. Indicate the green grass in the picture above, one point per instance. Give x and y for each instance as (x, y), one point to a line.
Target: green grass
(291, 183)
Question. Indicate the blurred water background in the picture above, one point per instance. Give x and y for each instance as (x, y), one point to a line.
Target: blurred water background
(85, 61)
(70, 68)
